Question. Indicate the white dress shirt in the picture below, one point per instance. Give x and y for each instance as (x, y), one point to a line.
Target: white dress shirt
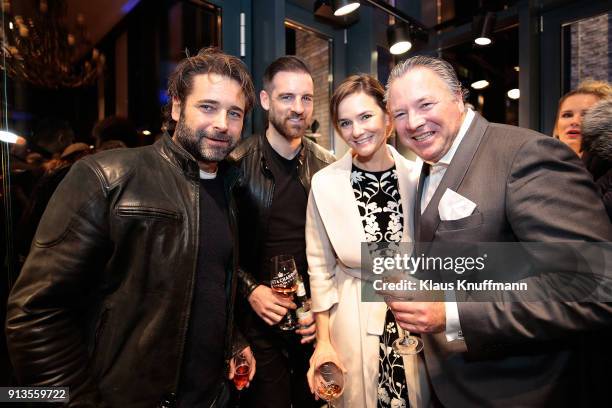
(430, 185)
(439, 168)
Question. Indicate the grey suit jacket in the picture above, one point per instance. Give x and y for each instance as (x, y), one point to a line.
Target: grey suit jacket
(527, 187)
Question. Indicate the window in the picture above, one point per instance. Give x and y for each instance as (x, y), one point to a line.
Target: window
(316, 50)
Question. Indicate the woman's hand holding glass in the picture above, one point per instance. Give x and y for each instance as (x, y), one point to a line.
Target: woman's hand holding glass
(329, 382)
(326, 373)
(324, 352)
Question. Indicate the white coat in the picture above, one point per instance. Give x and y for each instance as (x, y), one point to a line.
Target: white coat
(334, 233)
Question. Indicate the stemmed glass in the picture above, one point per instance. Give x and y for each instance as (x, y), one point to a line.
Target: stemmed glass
(284, 282)
(329, 382)
(242, 371)
(407, 344)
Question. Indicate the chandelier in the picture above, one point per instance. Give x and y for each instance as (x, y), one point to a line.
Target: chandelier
(41, 49)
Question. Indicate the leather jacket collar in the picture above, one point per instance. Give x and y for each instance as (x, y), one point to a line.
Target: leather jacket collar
(178, 157)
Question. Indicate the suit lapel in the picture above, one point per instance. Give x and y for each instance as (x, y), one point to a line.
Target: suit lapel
(424, 171)
(452, 178)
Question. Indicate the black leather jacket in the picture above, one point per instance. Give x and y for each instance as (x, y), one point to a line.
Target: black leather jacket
(103, 301)
(254, 193)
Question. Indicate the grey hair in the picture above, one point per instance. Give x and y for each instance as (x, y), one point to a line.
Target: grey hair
(440, 67)
(597, 130)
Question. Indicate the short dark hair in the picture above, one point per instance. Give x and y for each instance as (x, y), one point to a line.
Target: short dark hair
(287, 63)
(352, 85)
(209, 60)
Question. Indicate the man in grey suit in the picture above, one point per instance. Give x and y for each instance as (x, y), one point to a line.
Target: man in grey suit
(518, 186)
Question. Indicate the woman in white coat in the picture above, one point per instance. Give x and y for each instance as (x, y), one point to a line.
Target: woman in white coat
(366, 196)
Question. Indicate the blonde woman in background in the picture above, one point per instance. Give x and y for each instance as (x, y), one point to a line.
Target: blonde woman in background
(572, 107)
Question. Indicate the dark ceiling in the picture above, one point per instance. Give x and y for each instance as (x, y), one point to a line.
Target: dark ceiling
(454, 12)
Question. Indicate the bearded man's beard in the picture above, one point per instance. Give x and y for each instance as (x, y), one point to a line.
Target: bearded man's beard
(285, 128)
(196, 143)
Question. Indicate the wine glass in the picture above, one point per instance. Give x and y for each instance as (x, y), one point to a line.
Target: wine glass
(284, 282)
(329, 382)
(242, 371)
(407, 344)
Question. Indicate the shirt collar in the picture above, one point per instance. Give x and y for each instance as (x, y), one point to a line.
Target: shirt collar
(204, 175)
(467, 121)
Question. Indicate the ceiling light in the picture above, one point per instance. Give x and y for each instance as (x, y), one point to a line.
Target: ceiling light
(398, 36)
(400, 47)
(483, 26)
(324, 11)
(146, 132)
(344, 7)
(482, 41)
(514, 93)
(8, 137)
(483, 83)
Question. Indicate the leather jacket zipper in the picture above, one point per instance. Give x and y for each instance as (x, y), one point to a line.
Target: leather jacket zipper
(268, 173)
(233, 281)
(300, 175)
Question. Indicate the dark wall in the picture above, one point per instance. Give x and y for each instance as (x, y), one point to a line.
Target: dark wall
(143, 33)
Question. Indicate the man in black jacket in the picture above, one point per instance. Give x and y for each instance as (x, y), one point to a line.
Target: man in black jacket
(127, 294)
(272, 194)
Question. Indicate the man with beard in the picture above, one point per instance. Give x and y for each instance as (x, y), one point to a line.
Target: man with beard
(272, 194)
(127, 294)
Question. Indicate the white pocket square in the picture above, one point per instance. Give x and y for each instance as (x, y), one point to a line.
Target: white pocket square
(454, 206)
